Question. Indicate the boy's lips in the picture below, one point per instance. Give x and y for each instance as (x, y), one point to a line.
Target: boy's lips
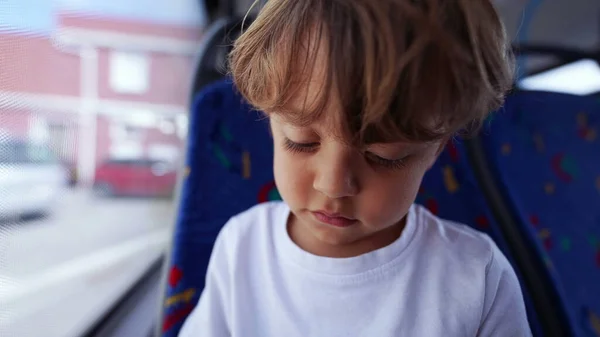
(333, 219)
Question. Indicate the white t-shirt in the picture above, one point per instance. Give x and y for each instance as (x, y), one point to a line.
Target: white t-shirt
(438, 279)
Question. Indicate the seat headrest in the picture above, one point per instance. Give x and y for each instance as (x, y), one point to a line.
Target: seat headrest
(217, 43)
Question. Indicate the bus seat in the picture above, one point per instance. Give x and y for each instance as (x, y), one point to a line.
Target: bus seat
(229, 169)
(543, 151)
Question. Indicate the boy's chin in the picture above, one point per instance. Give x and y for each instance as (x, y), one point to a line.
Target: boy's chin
(319, 238)
(332, 241)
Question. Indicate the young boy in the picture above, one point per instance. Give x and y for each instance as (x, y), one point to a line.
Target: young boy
(361, 96)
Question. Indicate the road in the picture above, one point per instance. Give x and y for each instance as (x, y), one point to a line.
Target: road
(62, 271)
(81, 224)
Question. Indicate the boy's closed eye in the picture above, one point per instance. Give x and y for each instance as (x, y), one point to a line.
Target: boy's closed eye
(373, 155)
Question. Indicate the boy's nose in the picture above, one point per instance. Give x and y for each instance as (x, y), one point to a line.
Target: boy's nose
(335, 179)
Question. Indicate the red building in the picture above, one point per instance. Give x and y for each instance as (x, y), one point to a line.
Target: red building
(99, 88)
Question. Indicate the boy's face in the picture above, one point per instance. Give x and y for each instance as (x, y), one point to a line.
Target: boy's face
(369, 190)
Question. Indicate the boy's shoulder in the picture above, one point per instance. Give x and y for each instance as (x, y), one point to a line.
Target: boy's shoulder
(457, 241)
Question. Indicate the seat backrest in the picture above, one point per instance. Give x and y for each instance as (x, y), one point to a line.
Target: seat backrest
(229, 169)
(544, 151)
(211, 65)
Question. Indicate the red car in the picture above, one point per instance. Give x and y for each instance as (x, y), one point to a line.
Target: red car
(135, 177)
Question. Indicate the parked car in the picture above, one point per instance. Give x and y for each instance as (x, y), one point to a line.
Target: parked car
(31, 177)
(135, 177)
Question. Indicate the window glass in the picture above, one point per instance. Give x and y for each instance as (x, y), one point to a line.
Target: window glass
(579, 78)
(93, 114)
(129, 72)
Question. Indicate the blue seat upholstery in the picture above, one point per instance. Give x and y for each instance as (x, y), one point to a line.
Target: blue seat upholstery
(544, 149)
(229, 169)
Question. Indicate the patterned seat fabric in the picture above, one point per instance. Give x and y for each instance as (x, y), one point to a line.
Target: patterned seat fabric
(229, 169)
(545, 152)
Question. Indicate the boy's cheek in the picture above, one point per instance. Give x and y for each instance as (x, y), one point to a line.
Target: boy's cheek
(289, 175)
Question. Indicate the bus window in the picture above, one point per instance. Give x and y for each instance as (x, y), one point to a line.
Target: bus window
(93, 122)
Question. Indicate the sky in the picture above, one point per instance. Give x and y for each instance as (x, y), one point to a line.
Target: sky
(37, 16)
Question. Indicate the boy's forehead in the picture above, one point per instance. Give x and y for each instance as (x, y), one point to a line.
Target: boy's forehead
(309, 81)
(313, 106)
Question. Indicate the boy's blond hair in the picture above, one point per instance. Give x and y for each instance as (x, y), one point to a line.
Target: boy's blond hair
(402, 70)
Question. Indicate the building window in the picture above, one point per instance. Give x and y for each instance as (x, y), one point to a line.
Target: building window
(129, 72)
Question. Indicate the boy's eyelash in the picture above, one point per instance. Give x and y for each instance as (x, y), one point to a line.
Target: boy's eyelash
(395, 164)
(299, 147)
